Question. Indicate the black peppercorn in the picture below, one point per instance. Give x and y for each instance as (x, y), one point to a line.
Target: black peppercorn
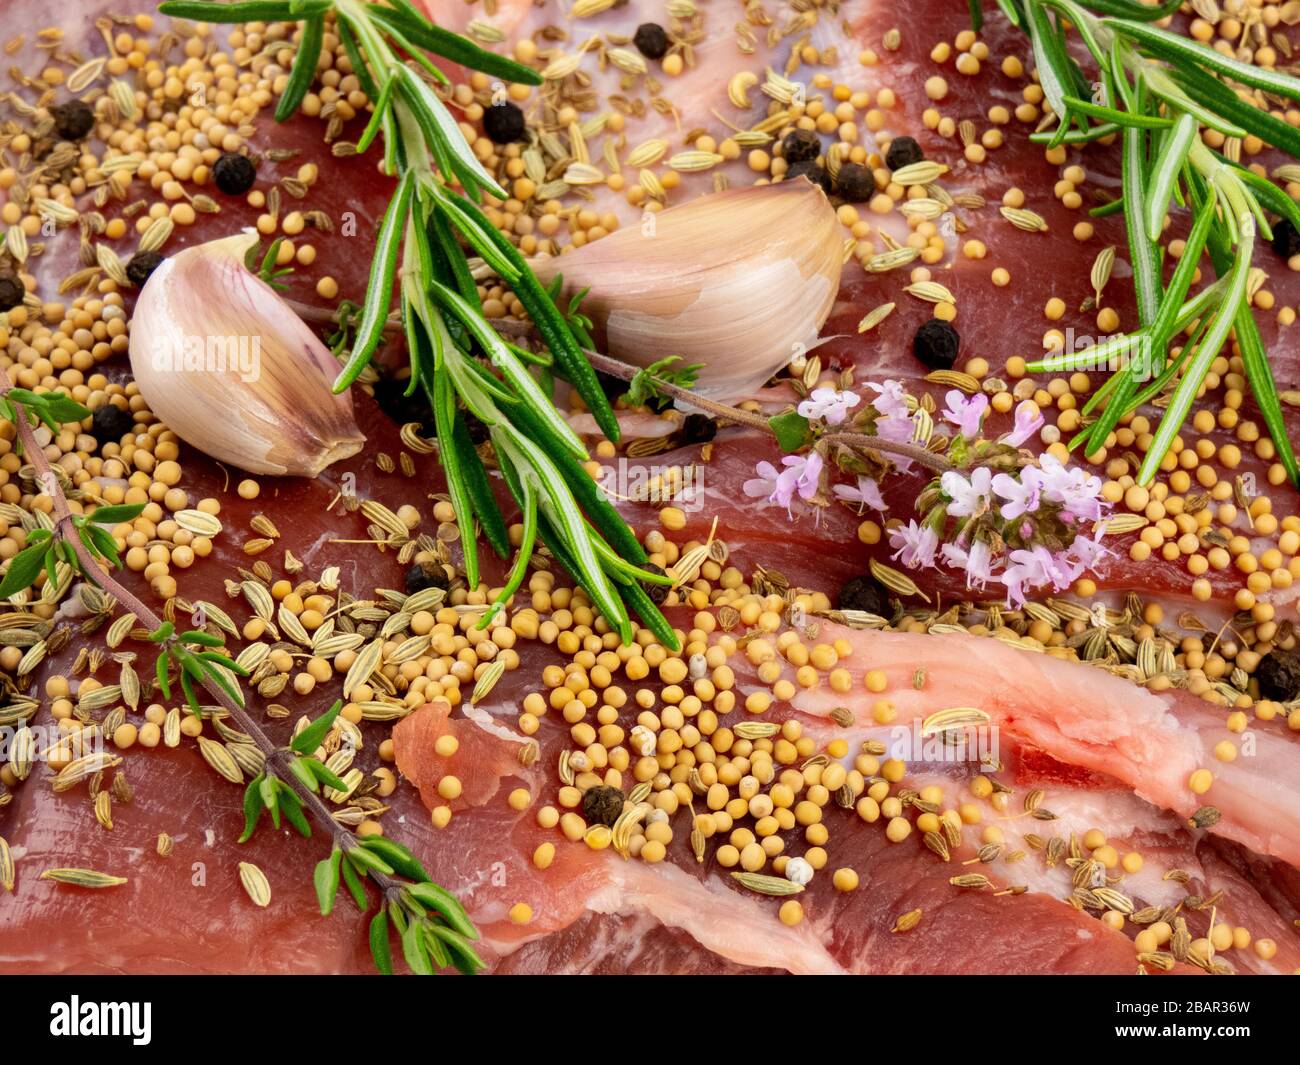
(855, 183)
(657, 592)
(421, 576)
(142, 264)
(73, 120)
(11, 293)
(1286, 240)
(698, 429)
(813, 171)
(234, 174)
(903, 151)
(503, 123)
(1278, 674)
(390, 395)
(935, 344)
(651, 40)
(602, 804)
(109, 424)
(799, 145)
(867, 594)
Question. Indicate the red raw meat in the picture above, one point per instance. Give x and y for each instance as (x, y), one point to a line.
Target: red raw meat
(592, 912)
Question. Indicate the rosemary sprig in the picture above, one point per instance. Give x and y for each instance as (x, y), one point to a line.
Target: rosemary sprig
(1159, 92)
(435, 931)
(458, 361)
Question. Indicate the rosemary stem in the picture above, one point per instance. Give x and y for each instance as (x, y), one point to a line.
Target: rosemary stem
(276, 757)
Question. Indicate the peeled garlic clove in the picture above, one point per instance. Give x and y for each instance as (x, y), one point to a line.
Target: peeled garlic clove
(736, 280)
(224, 362)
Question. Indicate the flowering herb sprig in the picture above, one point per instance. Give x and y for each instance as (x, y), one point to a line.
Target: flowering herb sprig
(1159, 91)
(865, 437)
(434, 930)
(992, 513)
(420, 249)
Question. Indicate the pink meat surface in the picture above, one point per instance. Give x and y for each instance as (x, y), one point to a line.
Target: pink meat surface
(593, 912)
(847, 933)
(972, 931)
(1151, 743)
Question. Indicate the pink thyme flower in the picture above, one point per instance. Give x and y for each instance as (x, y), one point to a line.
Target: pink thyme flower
(1029, 419)
(800, 477)
(865, 494)
(966, 413)
(1072, 487)
(1035, 568)
(1021, 494)
(764, 484)
(898, 428)
(968, 496)
(914, 544)
(891, 399)
(829, 404)
(1085, 552)
(977, 562)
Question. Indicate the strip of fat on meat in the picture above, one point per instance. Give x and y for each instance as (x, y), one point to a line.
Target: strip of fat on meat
(1150, 742)
(959, 932)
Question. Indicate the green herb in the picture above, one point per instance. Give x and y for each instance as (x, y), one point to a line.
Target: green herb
(45, 551)
(648, 382)
(792, 430)
(203, 666)
(421, 250)
(444, 933)
(1159, 91)
(266, 268)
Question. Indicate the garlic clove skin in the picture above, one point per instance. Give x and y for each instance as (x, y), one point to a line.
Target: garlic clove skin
(736, 280)
(225, 363)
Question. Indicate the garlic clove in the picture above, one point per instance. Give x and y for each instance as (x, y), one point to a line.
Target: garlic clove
(224, 362)
(737, 280)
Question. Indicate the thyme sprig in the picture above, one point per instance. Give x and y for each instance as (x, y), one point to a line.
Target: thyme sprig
(421, 249)
(1159, 92)
(204, 666)
(434, 930)
(647, 383)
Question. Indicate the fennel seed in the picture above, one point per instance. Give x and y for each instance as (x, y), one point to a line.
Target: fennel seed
(767, 885)
(255, 884)
(85, 878)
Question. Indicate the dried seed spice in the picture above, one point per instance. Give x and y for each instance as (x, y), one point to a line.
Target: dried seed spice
(903, 151)
(142, 265)
(651, 40)
(503, 122)
(935, 344)
(234, 173)
(73, 120)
